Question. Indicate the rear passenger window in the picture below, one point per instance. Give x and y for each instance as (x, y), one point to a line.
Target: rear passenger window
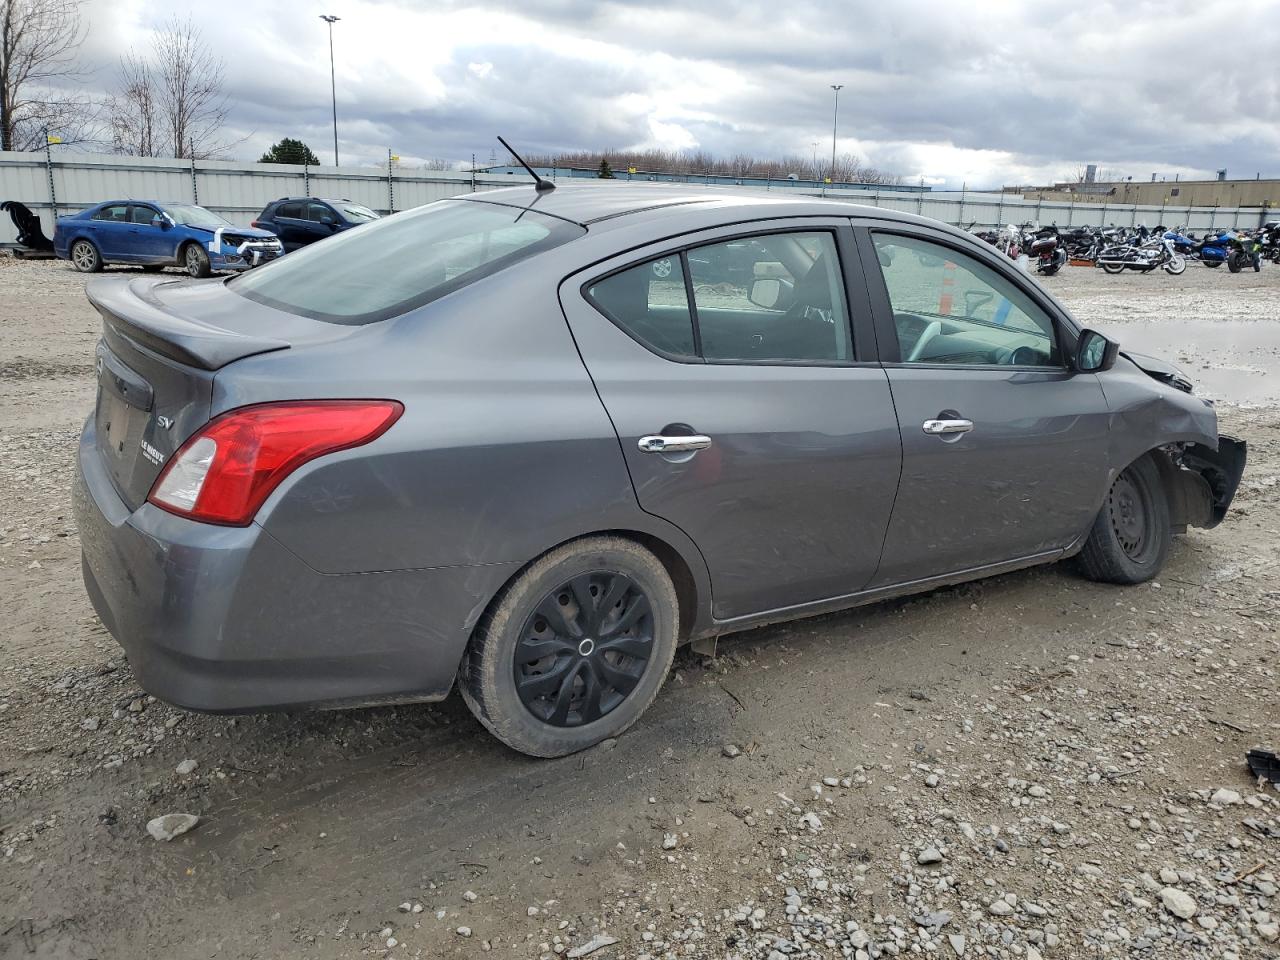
(773, 298)
(293, 210)
(119, 213)
(649, 302)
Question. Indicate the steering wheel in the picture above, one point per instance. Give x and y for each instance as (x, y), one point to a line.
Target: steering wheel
(930, 332)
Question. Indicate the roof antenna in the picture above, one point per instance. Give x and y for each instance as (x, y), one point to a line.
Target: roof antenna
(539, 184)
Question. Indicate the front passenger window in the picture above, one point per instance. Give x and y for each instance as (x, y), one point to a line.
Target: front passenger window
(953, 309)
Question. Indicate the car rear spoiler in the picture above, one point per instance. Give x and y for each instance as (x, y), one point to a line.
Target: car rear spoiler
(130, 313)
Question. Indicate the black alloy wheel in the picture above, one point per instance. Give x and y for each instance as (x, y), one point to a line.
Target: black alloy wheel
(584, 649)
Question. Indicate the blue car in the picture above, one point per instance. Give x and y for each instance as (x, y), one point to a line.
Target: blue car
(298, 221)
(158, 235)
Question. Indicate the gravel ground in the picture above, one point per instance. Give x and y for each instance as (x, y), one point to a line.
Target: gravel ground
(1030, 766)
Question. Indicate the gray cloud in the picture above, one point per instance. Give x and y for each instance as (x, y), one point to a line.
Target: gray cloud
(988, 93)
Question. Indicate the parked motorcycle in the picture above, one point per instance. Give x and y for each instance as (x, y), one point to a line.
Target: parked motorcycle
(1183, 243)
(1046, 250)
(1143, 258)
(1269, 237)
(1041, 245)
(1214, 249)
(1246, 250)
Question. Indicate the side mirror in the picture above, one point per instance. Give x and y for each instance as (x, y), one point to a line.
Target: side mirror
(161, 221)
(975, 300)
(1095, 353)
(328, 221)
(771, 293)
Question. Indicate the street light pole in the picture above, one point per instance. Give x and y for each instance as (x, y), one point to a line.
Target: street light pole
(333, 83)
(835, 113)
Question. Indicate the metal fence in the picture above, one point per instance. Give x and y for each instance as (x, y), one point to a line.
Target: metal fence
(58, 183)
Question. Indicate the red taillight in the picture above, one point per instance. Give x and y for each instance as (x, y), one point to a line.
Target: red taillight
(225, 471)
(255, 224)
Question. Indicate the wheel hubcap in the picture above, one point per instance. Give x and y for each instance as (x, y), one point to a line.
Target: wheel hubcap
(584, 649)
(1128, 513)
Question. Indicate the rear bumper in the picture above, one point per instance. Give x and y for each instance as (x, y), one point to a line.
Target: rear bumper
(226, 619)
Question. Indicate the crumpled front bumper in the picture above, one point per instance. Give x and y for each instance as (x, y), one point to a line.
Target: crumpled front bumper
(1201, 482)
(244, 257)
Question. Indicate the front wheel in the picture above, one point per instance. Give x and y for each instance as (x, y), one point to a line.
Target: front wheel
(575, 649)
(195, 261)
(1130, 538)
(1235, 262)
(1176, 265)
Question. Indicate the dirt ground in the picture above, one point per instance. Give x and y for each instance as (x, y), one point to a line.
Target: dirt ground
(1029, 767)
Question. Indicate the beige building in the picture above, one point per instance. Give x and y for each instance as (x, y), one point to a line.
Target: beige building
(1184, 193)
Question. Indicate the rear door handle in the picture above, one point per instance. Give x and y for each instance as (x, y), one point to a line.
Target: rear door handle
(945, 427)
(656, 443)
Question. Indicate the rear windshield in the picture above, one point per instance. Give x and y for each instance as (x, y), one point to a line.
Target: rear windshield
(400, 262)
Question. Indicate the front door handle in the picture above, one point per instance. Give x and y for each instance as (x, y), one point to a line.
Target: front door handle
(656, 443)
(945, 427)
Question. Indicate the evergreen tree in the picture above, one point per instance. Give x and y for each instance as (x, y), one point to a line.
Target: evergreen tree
(290, 150)
(606, 171)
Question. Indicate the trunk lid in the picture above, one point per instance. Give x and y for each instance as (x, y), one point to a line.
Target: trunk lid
(163, 342)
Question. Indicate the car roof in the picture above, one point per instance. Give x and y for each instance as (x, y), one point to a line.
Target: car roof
(317, 199)
(588, 203)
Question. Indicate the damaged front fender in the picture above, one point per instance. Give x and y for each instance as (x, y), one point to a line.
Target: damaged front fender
(1201, 482)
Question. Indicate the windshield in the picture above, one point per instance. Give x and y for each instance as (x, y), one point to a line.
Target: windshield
(403, 261)
(356, 211)
(192, 216)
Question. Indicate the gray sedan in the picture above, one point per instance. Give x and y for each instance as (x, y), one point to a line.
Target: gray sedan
(530, 443)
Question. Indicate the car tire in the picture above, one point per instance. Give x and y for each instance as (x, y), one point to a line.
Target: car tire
(584, 688)
(85, 257)
(1130, 539)
(195, 261)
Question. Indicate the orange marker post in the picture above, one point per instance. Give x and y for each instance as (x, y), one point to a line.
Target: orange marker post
(948, 284)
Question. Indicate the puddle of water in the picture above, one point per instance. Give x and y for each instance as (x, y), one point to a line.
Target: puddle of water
(1237, 362)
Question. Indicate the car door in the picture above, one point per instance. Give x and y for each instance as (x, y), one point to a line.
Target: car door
(149, 243)
(109, 228)
(290, 224)
(1003, 444)
(748, 403)
(321, 221)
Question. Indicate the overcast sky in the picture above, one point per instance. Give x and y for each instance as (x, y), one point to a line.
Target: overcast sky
(985, 93)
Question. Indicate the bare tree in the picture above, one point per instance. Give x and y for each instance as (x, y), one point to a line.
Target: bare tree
(38, 43)
(171, 104)
(136, 127)
(190, 77)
